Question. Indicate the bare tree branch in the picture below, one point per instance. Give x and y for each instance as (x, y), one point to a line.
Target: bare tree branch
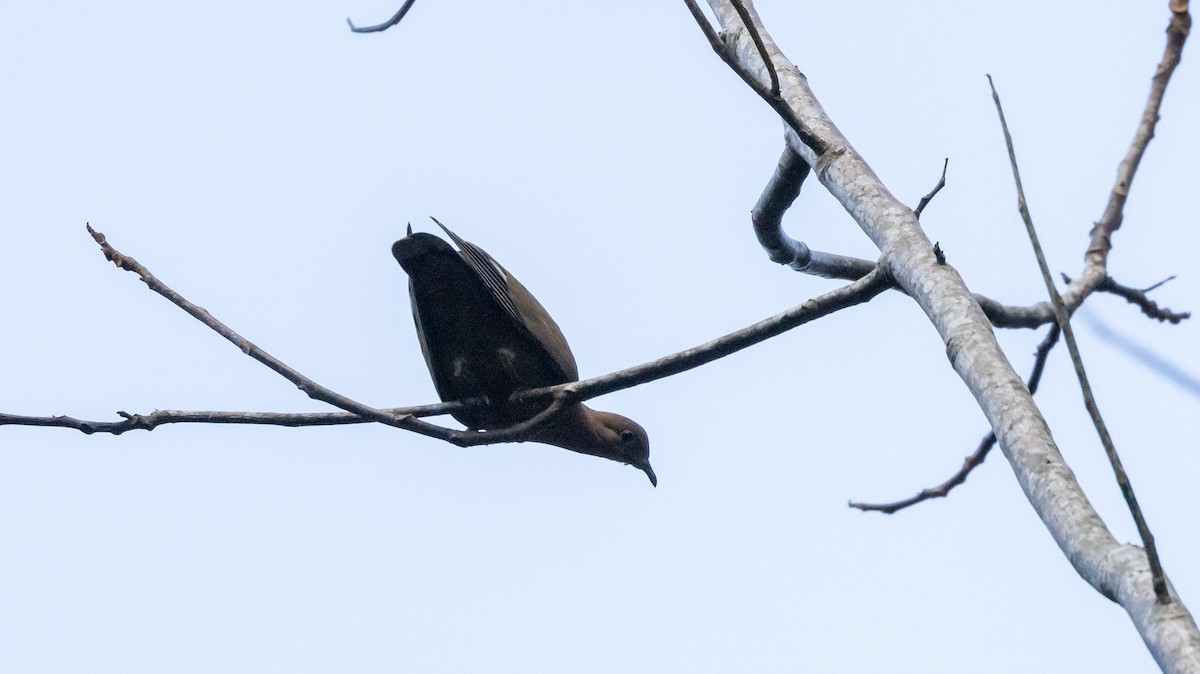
(1142, 300)
(976, 458)
(758, 42)
(861, 290)
(771, 96)
(767, 217)
(1114, 211)
(776, 200)
(378, 28)
(858, 292)
(1117, 571)
(148, 422)
(1089, 399)
(308, 386)
(781, 192)
(933, 193)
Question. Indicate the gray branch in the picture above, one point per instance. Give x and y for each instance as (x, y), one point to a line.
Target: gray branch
(1117, 571)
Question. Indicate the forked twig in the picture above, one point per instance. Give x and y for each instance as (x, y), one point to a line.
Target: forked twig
(308, 386)
(771, 96)
(1142, 299)
(758, 43)
(861, 290)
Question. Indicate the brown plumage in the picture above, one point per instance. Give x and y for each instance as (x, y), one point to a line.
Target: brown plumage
(483, 334)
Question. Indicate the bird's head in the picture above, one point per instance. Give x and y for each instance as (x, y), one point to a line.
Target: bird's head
(582, 429)
(625, 441)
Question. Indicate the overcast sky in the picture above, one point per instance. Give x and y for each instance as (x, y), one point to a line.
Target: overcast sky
(261, 159)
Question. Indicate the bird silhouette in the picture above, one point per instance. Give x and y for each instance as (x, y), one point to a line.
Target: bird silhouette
(484, 335)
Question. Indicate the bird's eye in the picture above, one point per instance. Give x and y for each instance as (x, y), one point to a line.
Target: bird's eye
(627, 436)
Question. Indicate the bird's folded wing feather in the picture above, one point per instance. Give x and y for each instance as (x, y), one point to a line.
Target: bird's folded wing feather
(518, 303)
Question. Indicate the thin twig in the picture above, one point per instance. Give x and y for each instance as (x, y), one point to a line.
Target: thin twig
(1089, 400)
(972, 461)
(308, 386)
(1110, 220)
(758, 43)
(933, 193)
(148, 422)
(785, 112)
(378, 28)
(859, 291)
(1143, 301)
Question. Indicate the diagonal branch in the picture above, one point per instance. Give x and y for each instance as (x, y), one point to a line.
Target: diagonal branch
(933, 193)
(976, 458)
(758, 43)
(1089, 400)
(771, 96)
(1114, 211)
(308, 386)
(850, 295)
(861, 290)
(1115, 570)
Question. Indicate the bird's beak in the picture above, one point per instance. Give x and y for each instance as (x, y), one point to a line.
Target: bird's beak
(649, 473)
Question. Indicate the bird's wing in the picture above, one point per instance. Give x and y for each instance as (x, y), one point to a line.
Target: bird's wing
(436, 370)
(520, 305)
(488, 270)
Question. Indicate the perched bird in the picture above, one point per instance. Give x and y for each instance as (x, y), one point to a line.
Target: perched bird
(484, 335)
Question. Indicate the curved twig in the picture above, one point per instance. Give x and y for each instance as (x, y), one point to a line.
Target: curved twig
(782, 189)
(767, 218)
(379, 28)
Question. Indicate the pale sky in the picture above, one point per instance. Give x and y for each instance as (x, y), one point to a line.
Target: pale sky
(261, 159)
